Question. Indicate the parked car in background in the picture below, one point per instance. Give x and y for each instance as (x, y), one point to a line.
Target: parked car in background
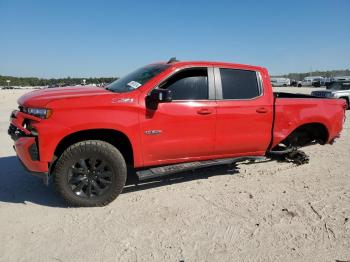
(294, 82)
(340, 78)
(10, 87)
(337, 89)
(307, 81)
(53, 86)
(318, 82)
(331, 80)
(280, 81)
(315, 81)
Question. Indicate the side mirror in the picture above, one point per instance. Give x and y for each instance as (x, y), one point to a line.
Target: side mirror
(161, 95)
(158, 96)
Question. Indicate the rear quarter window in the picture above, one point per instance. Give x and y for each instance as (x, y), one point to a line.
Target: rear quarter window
(239, 84)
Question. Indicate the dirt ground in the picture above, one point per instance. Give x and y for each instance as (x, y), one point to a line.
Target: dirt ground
(266, 211)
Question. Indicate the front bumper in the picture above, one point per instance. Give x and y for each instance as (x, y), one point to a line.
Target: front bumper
(26, 146)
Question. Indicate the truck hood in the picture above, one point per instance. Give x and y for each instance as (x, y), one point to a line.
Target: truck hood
(40, 98)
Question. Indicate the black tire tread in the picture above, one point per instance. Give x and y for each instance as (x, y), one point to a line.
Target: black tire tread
(94, 145)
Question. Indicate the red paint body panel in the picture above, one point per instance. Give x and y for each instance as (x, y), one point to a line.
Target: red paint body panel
(240, 127)
(292, 113)
(227, 127)
(185, 134)
(22, 149)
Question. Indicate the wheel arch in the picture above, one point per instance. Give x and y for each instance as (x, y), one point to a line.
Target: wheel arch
(308, 132)
(115, 137)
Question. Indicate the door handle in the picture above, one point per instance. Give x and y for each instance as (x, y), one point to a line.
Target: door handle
(262, 110)
(204, 111)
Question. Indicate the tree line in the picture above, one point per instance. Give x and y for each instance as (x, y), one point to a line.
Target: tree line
(332, 73)
(35, 81)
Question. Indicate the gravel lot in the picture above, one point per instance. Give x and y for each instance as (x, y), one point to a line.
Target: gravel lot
(266, 211)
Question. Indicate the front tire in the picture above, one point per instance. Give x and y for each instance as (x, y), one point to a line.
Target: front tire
(90, 173)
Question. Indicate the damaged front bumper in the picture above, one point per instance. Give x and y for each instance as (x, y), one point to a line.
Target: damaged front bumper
(26, 145)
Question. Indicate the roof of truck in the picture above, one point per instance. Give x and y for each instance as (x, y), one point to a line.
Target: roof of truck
(211, 63)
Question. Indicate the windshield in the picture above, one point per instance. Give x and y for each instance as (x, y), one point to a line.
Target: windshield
(339, 86)
(136, 79)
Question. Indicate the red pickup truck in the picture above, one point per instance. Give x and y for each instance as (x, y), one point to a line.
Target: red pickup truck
(161, 119)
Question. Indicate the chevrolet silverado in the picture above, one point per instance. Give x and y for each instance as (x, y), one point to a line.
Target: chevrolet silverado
(161, 119)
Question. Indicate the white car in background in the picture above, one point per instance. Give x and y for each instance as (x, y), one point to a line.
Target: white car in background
(340, 78)
(280, 81)
(331, 80)
(338, 89)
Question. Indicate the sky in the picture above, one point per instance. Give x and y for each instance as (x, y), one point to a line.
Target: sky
(110, 38)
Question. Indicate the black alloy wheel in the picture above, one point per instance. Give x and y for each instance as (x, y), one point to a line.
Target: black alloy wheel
(90, 177)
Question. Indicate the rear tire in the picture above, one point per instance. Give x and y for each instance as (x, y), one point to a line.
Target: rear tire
(90, 173)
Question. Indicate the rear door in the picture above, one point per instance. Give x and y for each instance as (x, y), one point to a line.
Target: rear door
(184, 128)
(244, 113)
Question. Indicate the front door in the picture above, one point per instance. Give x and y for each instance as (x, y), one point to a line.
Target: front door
(183, 129)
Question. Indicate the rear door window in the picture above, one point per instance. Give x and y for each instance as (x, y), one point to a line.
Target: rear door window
(239, 84)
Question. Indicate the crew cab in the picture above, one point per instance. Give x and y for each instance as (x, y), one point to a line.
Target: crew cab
(161, 119)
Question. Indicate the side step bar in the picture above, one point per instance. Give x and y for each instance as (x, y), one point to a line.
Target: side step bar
(177, 168)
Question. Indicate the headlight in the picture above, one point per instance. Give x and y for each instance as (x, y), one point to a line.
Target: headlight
(43, 113)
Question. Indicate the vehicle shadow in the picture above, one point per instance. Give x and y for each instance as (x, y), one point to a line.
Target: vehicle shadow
(19, 187)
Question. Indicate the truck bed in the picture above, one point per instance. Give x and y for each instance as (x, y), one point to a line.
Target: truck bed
(293, 110)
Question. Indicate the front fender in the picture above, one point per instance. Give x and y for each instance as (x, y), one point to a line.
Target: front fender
(62, 124)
